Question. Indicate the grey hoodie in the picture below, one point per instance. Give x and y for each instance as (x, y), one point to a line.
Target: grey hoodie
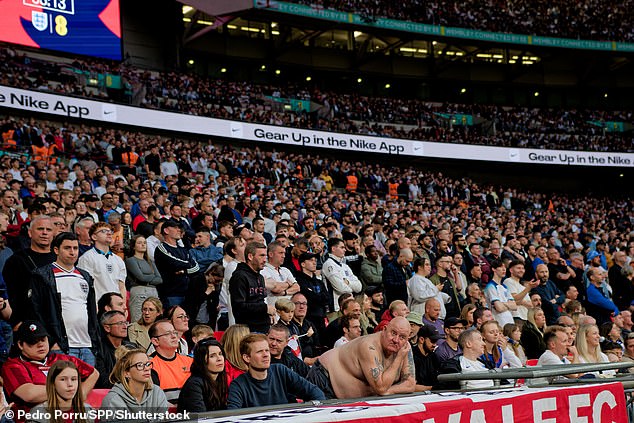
(153, 401)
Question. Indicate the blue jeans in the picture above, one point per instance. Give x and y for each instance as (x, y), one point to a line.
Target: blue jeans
(172, 301)
(84, 354)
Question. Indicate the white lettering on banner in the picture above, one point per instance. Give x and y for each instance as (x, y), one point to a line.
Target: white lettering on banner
(507, 414)
(42, 102)
(541, 406)
(576, 402)
(604, 397)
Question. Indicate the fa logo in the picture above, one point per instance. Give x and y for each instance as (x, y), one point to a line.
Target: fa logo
(39, 20)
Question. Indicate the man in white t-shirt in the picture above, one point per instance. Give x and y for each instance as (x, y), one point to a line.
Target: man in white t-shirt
(499, 298)
(279, 281)
(77, 332)
(558, 349)
(351, 330)
(107, 268)
(519, 291)
(472, 346)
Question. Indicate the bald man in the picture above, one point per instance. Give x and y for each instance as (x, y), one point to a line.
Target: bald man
(377, 364)
(552, 297)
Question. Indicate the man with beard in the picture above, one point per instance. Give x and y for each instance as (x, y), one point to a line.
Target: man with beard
(425, 361)
(551, 296)
(396, 274)
(450, 348)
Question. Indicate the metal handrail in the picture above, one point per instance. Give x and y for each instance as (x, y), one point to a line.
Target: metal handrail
(534, 372)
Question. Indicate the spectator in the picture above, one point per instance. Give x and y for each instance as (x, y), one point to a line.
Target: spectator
(203, 252)
(24, 377)
(233, 255)
(352, 370)
(432, 316)
(281, 353)
(397, 308)
(499, 298)
(599, 305)
(71, 319)
(115, 327)
(20, 266)
(371, 269)
(109, 302)
(513, 334)
(266, 383)
(203, 296)
(133, 389)
(231, 339)
(445, 280)
(318, 298)
(519, 290)
(532, 338)
(588, 345)
(351, 330)
(396, 274)
(248, 291)
(420, 289)
(175, 265)
(279, 281)
(426, 362)
(473, 346)
(108, 268)
(467, 314)
(481, 316)
(206, 389)
(170, 369)
(449, 348)
(557, 352)
(142, 274)
(551, 296)
(151, 309)
(63, 393)
(338, 274)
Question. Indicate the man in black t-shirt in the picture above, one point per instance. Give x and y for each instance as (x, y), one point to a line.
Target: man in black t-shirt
(425, 361)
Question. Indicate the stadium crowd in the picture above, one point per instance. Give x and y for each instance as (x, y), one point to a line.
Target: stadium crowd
(587, 20)
(566, 129)
(175, 273)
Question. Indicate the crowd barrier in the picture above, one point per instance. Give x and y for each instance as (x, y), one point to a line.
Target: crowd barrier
(585, 401)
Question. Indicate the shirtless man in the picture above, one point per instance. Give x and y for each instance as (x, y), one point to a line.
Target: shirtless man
(377, 364)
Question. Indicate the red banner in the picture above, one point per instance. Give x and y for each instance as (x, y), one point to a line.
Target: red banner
(603, 403)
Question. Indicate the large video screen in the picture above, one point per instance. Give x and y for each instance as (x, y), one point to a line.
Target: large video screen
(86, 27)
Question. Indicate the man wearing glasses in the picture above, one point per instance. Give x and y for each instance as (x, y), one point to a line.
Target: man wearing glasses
(449, 348)
(115, 327)
(71, 321)
(171, 369)
(108, 269)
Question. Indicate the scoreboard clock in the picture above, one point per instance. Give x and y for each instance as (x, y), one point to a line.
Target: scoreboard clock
(85, 27)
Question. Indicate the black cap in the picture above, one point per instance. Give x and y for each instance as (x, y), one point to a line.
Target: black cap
(31, 332)
(453, 321)
(306, 256)
(429, 332)
(91, 197)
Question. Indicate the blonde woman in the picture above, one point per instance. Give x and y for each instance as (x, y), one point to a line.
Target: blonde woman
(588, 343)
(133, 389)
(151, 309)
(532, 338)
(231, 343)
(63, 393)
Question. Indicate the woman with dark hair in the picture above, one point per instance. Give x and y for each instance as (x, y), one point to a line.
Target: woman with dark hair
(63, 393)
(207, 387)
(142, 275)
